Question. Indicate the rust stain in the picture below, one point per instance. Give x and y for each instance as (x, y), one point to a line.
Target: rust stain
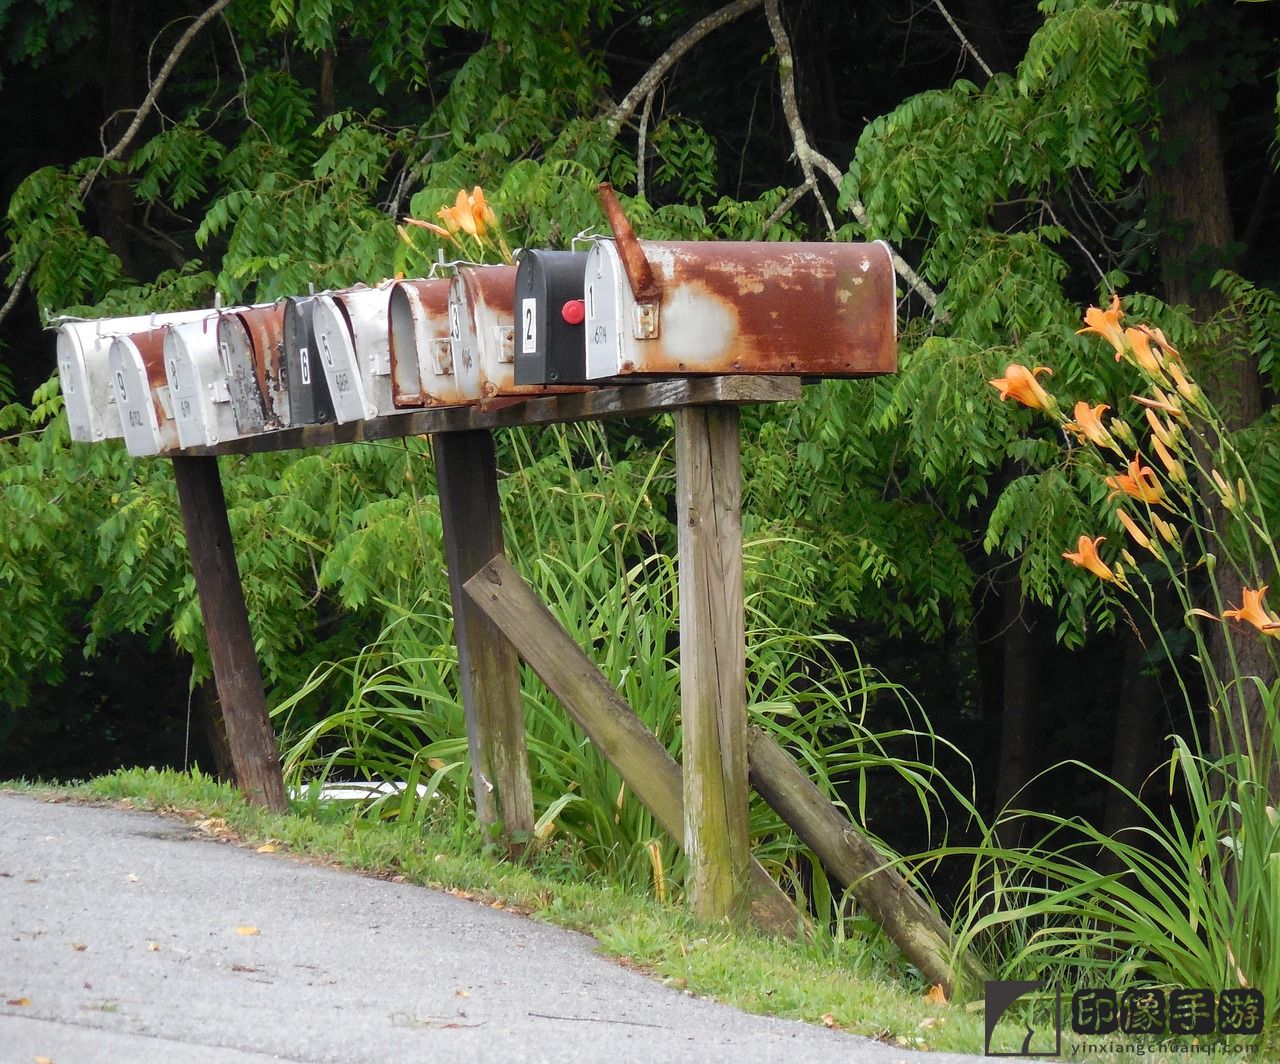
(150, 345)
(756, 307)
(418, 310)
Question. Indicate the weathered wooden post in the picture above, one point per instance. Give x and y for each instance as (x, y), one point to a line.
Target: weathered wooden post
(226, 624)
(713, 690)
(488, 668)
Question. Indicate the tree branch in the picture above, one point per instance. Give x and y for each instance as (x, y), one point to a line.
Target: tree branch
(153, 92)
(964, 41)
(641, 138)
(809, 157)
(645, 86)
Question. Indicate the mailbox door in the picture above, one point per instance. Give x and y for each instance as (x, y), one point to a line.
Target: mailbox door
(198, 384)
(309, 402)
(464, 331)
(142, 393)
(265, 328)
(608, 308)
(338, 359)
(235, 348)
(826, 310)
(367, 311)
(421, 344)
(550, 330)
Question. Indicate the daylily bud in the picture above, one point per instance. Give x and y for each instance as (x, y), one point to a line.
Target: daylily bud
(1188, 389)
(1225, 494)
(1167, 532)
(1177, 472)
(1121, 431)
(1130, 526)
(1165, 431)
(1149, 360)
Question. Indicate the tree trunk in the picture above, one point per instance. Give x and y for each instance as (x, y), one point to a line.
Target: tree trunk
(1019, 725)
(1189, 195)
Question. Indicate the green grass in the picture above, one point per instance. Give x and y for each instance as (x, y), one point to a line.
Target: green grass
(847, 984)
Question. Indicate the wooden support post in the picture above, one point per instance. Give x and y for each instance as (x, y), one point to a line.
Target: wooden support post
(489, 671)
(596, 707)
(226, 624)
(713, 689)
(851, 859)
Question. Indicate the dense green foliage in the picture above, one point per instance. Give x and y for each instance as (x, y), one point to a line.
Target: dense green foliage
(915, 515)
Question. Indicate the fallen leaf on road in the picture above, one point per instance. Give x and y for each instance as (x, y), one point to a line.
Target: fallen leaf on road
(21, 1002)
(79, 947)
(462, 993)
(266, 847)
(937, 995)
(154, 947)
(829, 1020)
(247, 931)
(44, 1060)
(131, 878)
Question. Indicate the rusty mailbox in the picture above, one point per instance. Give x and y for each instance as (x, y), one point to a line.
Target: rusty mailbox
(84, 374)
(421, 345)
(250, 344)
(197, 379)
(355, 351)
(136, 363)
(550, 318)
(823, 310)
(309, 402)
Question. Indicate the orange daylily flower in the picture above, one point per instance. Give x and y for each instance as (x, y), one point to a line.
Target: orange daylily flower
(1086, 556)
(463, 213)
(1088, 424)
(1020, 383)
(480, 209)
(439, 230)
(1255, 613)
(1139, 483)
(1106, 323)
(1149, 360)
(1170, 352)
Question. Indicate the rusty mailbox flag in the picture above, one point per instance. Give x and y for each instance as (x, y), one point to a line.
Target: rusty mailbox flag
(823, 310)
(421, 345)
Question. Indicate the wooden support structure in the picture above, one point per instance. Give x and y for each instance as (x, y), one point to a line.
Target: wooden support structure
(489, 671)
(848, 856)
(609, 722)
(226, 625)
(713, 685)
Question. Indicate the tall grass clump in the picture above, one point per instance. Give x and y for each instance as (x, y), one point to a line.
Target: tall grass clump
(590, 532)
(1189, 896)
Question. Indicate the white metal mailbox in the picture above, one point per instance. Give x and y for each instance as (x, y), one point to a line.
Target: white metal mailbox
(812, 309)
(422, 345)
(83, 354)
(136, 364)
(482, 324)
(355, 351)
(198, 384)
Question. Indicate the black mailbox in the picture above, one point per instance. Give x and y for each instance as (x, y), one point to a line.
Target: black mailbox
(309, 401)
(550, 335)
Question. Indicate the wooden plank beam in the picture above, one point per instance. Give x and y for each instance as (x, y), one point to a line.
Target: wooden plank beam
(628, 400)
(713, 685)
(226, 624)
(851, 859)
(609, 722)
(489, 671)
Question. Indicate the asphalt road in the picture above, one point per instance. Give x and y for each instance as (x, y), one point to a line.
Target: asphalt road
(129, 937)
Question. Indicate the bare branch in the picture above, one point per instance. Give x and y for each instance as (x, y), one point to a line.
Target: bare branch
(780, 211)
(149, 102)
(15, 292)
(641, 137)
(964, 41)
(645, 86)
(809, 157)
